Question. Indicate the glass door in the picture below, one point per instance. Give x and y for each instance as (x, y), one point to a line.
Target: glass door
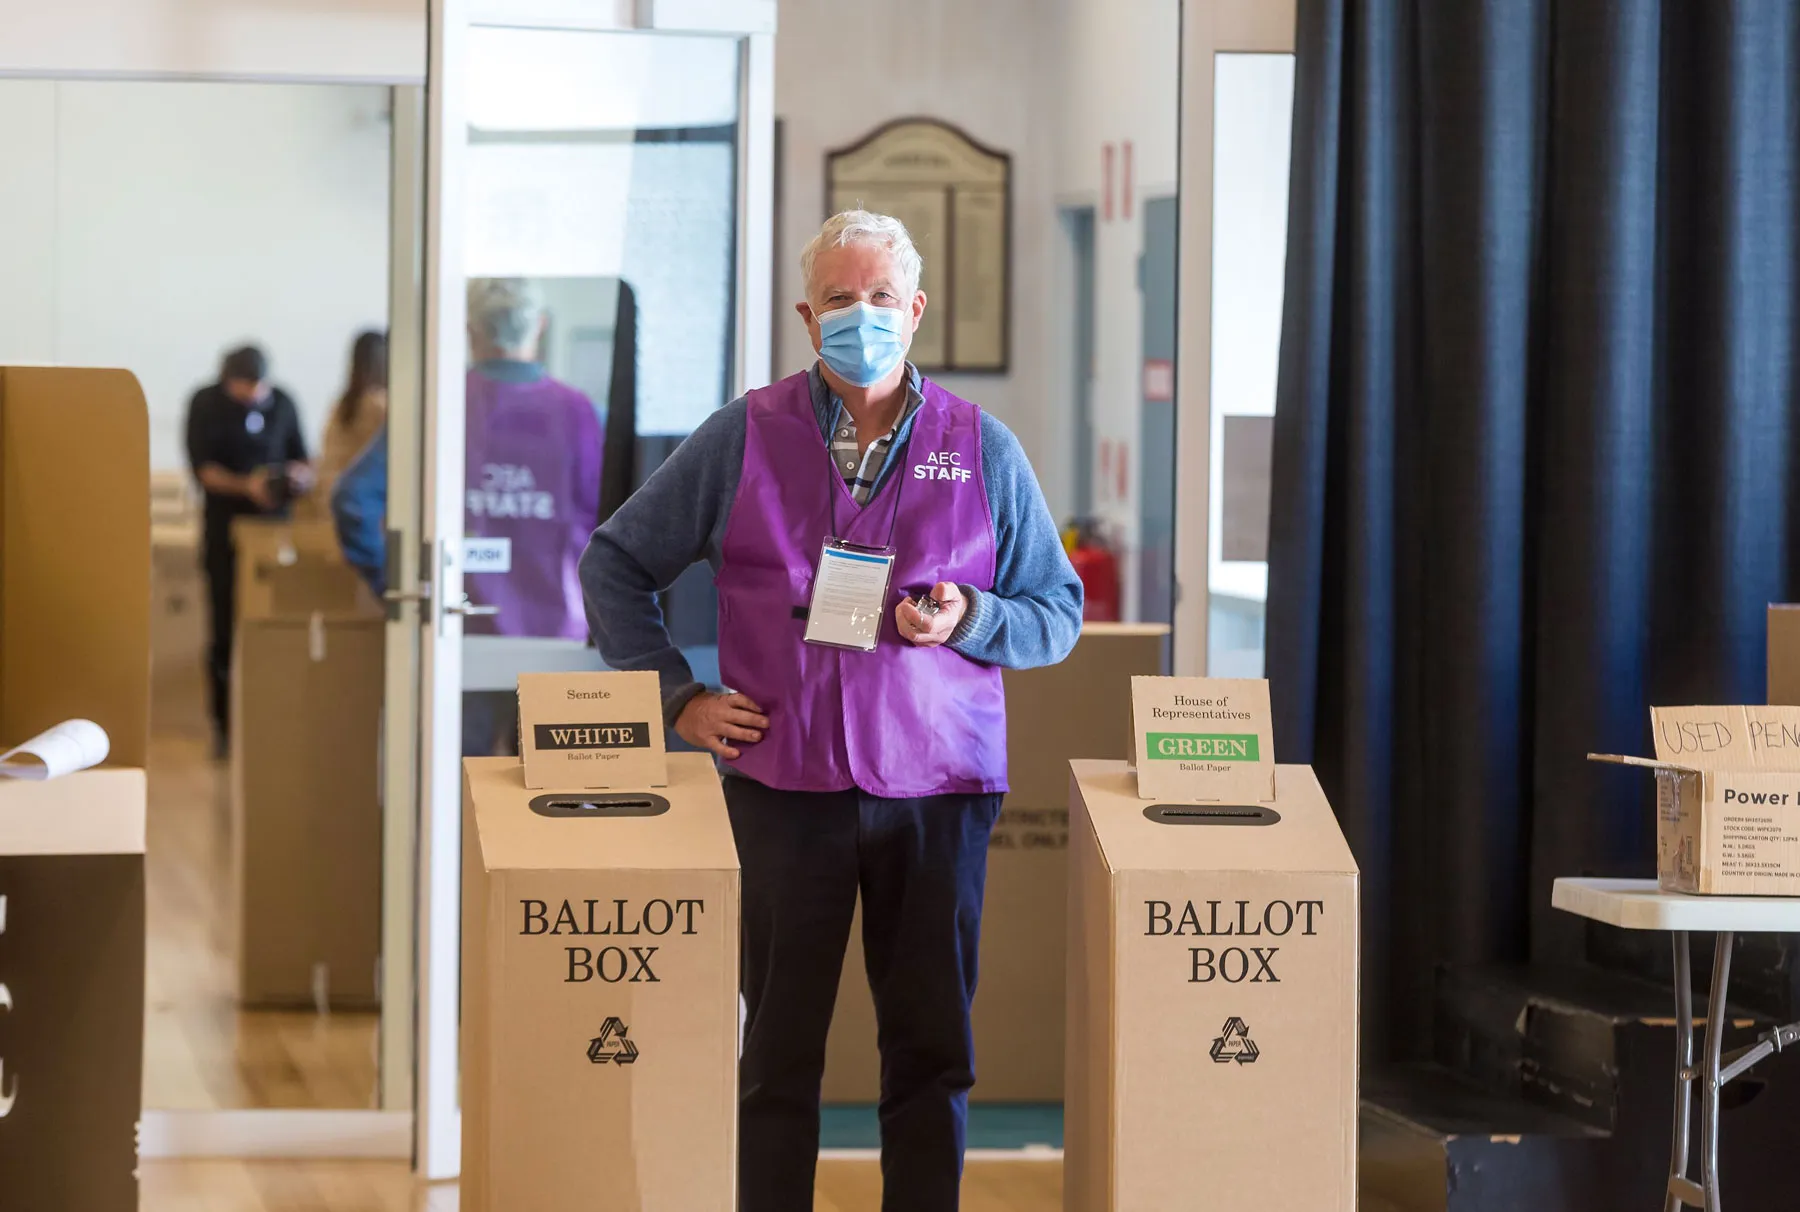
(1237, 76)
(598, 237)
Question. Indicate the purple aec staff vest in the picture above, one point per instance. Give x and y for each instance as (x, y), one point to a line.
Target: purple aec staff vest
(532, 470)
(900, 722)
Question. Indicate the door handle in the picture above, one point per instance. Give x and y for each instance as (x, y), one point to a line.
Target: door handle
(7, 1099)
(469, 609)
(395, 599)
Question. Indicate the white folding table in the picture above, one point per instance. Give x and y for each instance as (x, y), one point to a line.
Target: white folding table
(1641, 905)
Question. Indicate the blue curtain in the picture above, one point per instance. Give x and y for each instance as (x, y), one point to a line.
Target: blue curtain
(1534, 439)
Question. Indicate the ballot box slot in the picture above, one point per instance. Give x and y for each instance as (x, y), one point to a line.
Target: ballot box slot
(599, 805)
(1212, 814)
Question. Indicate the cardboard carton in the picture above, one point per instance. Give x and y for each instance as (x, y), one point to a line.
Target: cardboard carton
(306, 809)
(1727, 799)
(1784, 656)
(294, 568)
(72, 972)
(1080, 708)
(1212, 1041)
(600, 994)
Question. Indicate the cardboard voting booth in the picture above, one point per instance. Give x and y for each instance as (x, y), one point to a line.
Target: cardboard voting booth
(71, 991)
(178, 607)
(178, 636)
(600, 992)
(75, 555)
(1080, 708)
(74, 644)
(1212, 993)
(1727, 799)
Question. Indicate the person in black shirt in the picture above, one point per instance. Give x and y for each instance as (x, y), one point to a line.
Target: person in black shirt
(246, 449)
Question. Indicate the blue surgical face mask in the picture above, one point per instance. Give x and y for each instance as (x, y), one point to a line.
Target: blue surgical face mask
(862, 344)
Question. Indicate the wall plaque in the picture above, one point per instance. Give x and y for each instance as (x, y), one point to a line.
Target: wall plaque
(955, 197)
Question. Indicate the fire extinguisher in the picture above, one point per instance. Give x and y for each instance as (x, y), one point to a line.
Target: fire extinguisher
(1098, 569)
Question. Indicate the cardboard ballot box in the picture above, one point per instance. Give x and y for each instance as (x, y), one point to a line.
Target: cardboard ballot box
(1212, 1001)
(71, 991)
(600, 994)
(306, 809)
(1080, 708)
(1727, 799)
(287, 568)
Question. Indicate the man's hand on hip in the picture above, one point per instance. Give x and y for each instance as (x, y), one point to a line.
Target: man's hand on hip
(928, 631)
(712, 721)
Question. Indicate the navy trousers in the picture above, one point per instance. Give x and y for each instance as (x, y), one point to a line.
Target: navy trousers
(921, 867)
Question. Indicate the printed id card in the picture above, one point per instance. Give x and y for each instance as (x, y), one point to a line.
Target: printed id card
(849, 597)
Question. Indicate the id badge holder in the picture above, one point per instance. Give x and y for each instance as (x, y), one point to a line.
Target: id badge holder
(849, 597)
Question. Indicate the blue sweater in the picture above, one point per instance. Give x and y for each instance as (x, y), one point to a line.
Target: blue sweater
(359, 511)
(1031, 617)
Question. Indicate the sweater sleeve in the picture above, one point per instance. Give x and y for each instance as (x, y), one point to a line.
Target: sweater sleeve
(359, 512)
(675, 520)
(1032, 616)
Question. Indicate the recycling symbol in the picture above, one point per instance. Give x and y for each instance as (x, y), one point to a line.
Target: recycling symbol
(611, 1045)
(1234, 1044)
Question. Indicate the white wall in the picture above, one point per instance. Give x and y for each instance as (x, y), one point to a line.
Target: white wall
(844, 67)
(154, 225)
(1252, 135)
(1049, 81)
(339, 40)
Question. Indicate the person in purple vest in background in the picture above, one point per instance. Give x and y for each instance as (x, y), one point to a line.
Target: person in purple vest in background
(532, 477)
(850, 769)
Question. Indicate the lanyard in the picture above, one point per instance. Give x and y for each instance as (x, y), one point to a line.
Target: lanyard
(831, 501)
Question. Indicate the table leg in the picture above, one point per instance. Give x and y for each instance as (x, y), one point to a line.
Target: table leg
(1716, 1018)
(1684, 1068)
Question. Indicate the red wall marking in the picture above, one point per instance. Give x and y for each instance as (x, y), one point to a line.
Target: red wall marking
(1128, 190)
(1106, 177)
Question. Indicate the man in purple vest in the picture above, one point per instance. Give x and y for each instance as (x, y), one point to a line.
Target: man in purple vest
(863, 733)
(531, 476)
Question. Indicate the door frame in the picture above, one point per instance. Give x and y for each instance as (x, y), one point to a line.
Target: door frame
(334, 47)
(1208, 28)
(437, 1115)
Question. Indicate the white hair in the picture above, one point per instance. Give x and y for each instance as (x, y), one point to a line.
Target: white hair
(505, 310)
(864, 227)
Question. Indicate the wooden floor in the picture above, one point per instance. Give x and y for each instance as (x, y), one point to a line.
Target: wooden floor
(200, 1050)
(844, 1186)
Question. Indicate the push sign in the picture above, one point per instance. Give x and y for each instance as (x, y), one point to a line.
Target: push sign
(1203, 739)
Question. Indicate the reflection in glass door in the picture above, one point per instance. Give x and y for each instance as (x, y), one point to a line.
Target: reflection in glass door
(599, 231)
(1237, 66)
(600, 222)
(1156, 495)
(1252, 116)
